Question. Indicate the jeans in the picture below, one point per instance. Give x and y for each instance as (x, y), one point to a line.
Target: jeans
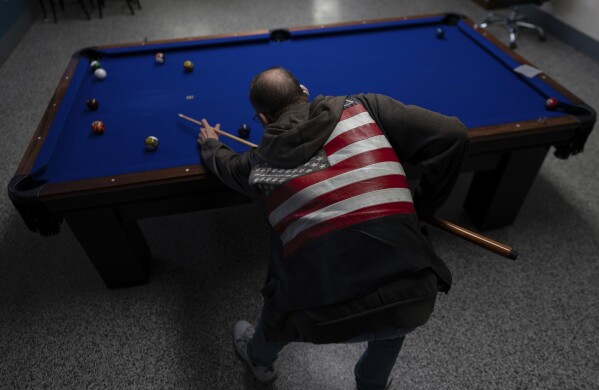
(372, 369)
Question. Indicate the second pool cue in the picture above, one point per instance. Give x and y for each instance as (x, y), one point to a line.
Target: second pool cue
(475, 238)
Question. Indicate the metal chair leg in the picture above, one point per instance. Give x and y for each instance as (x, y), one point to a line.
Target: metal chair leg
(53, 11)
(84, 10)
(43, 9)
(130, 7)
(513, 36)
(531, 26)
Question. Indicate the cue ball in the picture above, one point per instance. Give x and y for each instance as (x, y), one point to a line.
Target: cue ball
(92, 104)
(151, 143)
(440, 33)
(188, 65)
(98, 127)
(244, 130)
(159, 58)
(100, 74)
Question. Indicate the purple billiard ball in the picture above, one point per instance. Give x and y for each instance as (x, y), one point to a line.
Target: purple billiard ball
(92, 104)
(244, 131)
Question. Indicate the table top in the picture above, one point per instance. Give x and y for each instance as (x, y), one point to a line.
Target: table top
(463, 74)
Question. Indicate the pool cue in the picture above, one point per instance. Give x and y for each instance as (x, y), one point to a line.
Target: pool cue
(220, 132)
(468, 235)
(475, 238)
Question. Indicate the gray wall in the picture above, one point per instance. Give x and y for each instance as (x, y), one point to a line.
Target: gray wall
(16, 16)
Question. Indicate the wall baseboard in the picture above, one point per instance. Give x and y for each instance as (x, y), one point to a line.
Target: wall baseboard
(563, 31)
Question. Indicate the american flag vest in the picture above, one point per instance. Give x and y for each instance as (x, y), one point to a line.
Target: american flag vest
(355, 177)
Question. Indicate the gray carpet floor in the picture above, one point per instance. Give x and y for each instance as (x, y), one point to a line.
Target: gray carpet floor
(529, 324)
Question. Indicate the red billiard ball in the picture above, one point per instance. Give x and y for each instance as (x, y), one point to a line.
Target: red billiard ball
(92, 104)
(551, 104)
(98, 127)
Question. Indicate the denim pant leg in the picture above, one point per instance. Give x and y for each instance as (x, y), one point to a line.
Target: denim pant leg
(374, 367)
(261, 352)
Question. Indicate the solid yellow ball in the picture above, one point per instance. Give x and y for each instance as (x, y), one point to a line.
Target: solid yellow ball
(151, 143)
(188, 65)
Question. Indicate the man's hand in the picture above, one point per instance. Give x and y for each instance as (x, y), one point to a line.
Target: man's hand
(207, 131)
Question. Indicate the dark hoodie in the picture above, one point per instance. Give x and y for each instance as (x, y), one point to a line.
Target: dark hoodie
(369, 276)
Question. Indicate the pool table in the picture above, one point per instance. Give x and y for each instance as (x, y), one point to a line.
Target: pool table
(102, 184)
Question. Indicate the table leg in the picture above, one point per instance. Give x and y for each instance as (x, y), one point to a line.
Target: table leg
(495, 196)
(43, 9)
(116, 247)
(53, 11)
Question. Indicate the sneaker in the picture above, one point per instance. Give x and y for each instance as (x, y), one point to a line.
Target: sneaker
(242, 334)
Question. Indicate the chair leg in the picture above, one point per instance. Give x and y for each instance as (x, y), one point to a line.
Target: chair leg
(84, 10)
(130, 7)
(43, 9)
(513, 36)
(53, 11)
(100, 6)
(531, 26)
(491, 18)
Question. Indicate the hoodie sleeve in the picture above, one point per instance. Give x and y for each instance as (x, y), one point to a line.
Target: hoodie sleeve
(436, 143)
(231, 168)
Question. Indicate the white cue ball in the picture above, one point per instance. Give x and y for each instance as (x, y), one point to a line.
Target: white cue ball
(100, 73)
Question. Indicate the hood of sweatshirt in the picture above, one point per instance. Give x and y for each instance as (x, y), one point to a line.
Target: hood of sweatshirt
(299, 133)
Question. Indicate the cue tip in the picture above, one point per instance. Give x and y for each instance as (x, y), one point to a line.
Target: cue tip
(513, 255)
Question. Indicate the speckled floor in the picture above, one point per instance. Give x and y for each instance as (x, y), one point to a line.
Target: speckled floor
(530, 324)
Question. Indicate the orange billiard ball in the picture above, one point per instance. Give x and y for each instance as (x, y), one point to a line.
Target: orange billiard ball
(98, 127)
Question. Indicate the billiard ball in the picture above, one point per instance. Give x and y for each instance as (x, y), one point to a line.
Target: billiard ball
(440, 33)
(551, 104)
(95, 64)
(151, 143)
(243, 130)
(100, 74)
(188, 65)
(98, 127)
(159, 58)
(92, 104)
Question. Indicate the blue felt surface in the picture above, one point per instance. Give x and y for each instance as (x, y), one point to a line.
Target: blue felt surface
(460, 75)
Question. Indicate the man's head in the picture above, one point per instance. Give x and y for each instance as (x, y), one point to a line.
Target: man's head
(274, 90)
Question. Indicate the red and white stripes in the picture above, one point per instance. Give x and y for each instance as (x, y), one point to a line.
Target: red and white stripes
(365, 180)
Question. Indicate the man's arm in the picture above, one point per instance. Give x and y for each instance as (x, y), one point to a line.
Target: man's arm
(435, 142)
(231, 168)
